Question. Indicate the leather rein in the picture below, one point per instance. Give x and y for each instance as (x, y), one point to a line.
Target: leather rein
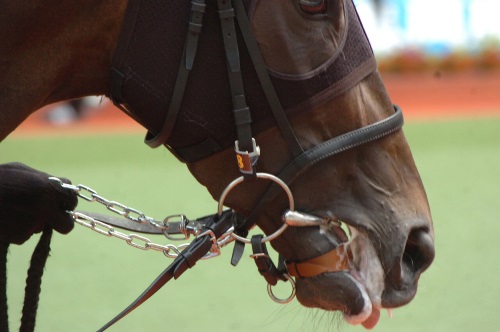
(247, 152)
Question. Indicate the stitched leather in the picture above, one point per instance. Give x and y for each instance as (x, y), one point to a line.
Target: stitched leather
(325, 150)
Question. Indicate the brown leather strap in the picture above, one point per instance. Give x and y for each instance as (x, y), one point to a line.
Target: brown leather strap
(333, 261)
(264, 263)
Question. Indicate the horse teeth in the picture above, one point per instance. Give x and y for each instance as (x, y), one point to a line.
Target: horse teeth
(389, 312)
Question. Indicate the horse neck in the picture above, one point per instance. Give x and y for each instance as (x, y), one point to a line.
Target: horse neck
(364, 104)
(52, 51)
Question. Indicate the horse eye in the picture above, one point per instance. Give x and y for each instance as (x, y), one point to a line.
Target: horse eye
(313, 7)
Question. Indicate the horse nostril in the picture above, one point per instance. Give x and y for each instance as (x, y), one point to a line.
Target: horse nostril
(401, 283)
(419, 251)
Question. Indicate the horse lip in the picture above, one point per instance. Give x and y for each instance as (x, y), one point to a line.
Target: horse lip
(362, 286)
(366, 266)
(352, 301)
(356, 301)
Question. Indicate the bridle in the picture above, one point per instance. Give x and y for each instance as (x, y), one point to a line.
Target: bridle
(227, 226)
(247, 153)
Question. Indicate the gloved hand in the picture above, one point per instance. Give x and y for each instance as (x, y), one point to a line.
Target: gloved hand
(29, 202)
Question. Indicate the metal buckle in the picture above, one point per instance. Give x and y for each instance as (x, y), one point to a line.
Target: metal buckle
(215, 249)
(247, 160)
(186, 227)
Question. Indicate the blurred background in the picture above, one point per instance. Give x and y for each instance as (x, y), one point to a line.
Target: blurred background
(440, 61)
(449, 34)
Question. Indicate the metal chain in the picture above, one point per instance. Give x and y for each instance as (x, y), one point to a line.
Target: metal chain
(90, 195)
(134, 240)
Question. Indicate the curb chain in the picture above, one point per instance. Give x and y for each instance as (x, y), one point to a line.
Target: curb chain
(134, 240)
(134, 215)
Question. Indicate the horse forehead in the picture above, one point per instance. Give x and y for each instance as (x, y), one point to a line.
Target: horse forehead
(294, 42)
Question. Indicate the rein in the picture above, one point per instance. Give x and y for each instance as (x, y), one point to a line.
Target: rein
(33, 283)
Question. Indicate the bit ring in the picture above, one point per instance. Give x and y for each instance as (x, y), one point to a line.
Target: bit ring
(265, 176)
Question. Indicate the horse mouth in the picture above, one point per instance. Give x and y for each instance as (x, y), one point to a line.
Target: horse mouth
(367, 271)
(356, 292)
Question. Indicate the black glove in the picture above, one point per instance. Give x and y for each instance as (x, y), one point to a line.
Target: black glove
(29, 202)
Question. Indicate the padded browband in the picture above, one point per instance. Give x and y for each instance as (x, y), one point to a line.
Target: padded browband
(328, 149)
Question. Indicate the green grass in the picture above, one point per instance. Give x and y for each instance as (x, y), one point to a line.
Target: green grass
(89, 278)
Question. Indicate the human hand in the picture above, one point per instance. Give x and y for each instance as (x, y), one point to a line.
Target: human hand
(29, 202)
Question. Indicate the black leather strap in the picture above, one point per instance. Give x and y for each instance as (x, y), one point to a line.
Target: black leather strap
(239, 247)
(264, 263)
(241, 111)
(325, 150)
(187, 60)
(238, 250)
(265, 81)
(173, 227)
(342, 143)
(186, 260)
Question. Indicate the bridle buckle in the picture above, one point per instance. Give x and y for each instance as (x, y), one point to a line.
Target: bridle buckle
(247, 160)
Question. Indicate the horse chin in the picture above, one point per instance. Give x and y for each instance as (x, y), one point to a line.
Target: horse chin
(356, 293)
(350, 297)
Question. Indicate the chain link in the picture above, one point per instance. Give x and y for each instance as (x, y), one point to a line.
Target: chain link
(143, 243)
(90, 195)
(137, 241)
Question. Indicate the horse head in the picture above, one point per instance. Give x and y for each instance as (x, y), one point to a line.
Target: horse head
(375, 189)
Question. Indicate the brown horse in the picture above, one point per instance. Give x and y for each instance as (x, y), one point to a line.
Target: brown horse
(58, 50)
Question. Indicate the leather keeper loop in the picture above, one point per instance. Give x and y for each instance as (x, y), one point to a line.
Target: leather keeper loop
(195, 28)
(198, 7)
(226, 13)
(242, 116)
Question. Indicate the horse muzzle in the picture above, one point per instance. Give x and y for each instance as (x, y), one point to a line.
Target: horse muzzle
(402, 279)
(356, 281)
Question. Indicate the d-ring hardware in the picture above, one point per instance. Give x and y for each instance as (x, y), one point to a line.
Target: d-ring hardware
(266, 176)
(285, 300)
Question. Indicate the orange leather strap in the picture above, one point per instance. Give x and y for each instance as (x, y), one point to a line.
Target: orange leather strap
(333, 261)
